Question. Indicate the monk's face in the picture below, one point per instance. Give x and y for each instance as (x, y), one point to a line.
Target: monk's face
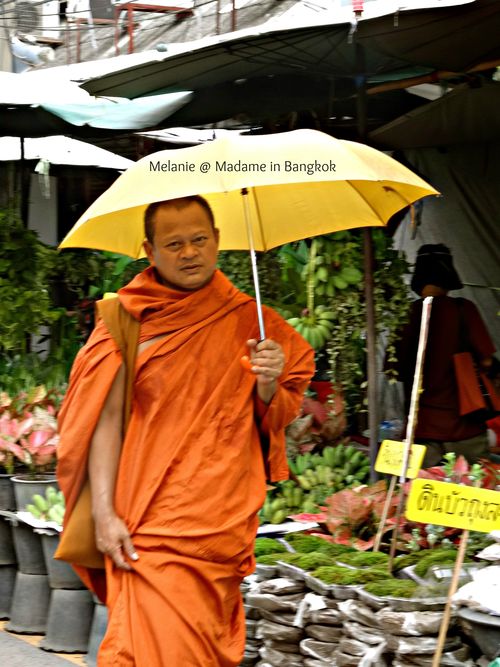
(184, 248)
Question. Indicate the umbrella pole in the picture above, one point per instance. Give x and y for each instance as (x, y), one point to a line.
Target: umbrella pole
(253, 258)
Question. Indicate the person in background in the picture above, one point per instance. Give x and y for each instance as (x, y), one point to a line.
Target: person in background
(454, 323)
(175, 499)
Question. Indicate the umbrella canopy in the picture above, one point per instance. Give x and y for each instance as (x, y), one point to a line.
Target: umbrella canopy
(32, 105)
(400, 44)
(301, 184)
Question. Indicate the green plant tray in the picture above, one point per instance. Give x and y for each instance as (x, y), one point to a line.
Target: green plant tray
(291, 571)
(337, 591)
(266, 571)
(402, 604)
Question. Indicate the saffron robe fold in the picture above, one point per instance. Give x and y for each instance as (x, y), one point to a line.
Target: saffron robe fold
(192, 473)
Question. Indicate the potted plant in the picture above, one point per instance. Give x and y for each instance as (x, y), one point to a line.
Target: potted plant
(28, 441)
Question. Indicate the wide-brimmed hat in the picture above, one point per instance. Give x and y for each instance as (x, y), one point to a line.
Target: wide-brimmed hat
(434, 266)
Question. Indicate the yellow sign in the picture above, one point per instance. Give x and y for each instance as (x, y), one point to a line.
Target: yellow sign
(453, 505)
(390, 458)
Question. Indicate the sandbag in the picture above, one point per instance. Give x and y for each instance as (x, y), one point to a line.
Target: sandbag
(354, 610)
(371, 636)
(278, 632)
(324, 633)
(279, 659)
(325, 617)
(281, 586)
(319, 650)
(412, 623)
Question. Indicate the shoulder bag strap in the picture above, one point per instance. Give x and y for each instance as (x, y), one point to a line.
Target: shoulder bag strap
(125, 330)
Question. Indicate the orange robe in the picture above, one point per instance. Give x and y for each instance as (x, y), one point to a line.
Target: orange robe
(193, 468)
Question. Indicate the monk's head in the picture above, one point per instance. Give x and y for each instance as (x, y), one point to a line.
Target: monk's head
(182, 242)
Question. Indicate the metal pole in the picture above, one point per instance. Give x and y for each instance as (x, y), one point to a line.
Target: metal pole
(130, 28)
(371, 351)
(253, 257)
(25, 185)
(371, 334)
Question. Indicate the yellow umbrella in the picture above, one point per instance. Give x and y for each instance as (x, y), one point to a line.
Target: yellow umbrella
(294, 185)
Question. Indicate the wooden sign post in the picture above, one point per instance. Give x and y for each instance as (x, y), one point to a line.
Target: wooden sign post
(390, 461)
(454, 506)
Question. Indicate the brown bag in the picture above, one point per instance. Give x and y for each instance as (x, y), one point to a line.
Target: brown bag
(470, 395)
(77, 542)
(475, 389)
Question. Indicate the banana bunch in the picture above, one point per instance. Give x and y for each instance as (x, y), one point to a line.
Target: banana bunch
(318, 477)
(48, 508)
(334, 266)
(315, 328)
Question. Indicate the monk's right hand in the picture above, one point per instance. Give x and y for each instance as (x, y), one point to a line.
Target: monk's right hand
(113, 539)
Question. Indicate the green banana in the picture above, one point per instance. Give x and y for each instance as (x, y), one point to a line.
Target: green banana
(40, 502)
(329, 456)
(279, 516)
(34, 510)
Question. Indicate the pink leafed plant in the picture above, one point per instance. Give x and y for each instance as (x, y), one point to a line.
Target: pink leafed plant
(28, 432)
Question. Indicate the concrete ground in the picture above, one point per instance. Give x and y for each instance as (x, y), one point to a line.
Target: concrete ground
(22, 651)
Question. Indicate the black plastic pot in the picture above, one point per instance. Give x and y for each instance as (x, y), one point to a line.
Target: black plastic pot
(26, 486)
(61, 574)
(69, 621)
(7, 499)
(30, 604)
(7, 581)
(28, 548)
(7, 553)
(97, 632)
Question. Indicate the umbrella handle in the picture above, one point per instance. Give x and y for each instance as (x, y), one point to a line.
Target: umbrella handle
(246, 362)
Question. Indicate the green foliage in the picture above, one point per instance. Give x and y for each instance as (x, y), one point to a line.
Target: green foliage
(437, 556)
(406, 560)
(305, 543)
(313, 560)
(333, 574)
(25, 301)
(365, 559)
(398, 588)
(48, 294)
(266, 545)
(237, 266)
(269, 559)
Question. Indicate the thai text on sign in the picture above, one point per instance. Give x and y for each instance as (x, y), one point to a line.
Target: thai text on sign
(390, 458)
(453, 505)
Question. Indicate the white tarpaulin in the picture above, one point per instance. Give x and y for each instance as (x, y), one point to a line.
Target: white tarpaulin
(61, 150)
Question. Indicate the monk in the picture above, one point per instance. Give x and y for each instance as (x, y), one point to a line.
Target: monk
(175, 498)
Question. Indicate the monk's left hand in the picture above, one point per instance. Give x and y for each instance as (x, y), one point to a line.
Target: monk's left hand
(268, 361)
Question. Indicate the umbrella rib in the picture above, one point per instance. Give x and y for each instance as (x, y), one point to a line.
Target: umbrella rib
(350, 183)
